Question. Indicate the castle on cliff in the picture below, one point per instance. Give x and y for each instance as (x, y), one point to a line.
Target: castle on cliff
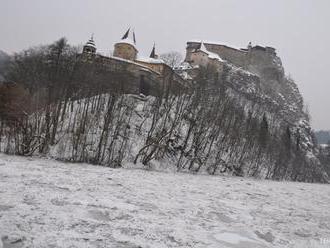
(150, 71)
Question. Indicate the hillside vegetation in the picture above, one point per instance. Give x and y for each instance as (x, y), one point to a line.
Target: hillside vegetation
(228, 124)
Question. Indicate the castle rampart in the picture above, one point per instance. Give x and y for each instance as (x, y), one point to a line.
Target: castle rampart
(232, 55)
(125, 72)
(241, 57)
(125, 51)
(132, 77)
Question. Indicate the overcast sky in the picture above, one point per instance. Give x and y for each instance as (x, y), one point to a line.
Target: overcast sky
(299, 29)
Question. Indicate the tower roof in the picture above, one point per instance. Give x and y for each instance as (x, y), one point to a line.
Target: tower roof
(153, 52)
(125, 36)
(91, 42)
(211, 55)
(127, 40)
(203, 48)
(152, 59)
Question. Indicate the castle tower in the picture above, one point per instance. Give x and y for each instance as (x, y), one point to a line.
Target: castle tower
(126, 48)
(90, 47)
(249, 47)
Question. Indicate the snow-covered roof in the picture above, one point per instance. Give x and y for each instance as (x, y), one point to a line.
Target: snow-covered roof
(216, 43)
(150, 60)
(211, 55)
(90, 43)
(144, 67)
(185, 75)
(127, 41)
(183, 66)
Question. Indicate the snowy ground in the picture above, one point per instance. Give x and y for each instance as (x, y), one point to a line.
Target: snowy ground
(44, 203)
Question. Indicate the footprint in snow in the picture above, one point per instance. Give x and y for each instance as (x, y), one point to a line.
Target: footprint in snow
(220, 216)
(269, 237)
(99, 215)
(5, 207)
(11, 242)
(58, 202)
(304, 233)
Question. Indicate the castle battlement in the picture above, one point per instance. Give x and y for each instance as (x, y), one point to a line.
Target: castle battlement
(241, 57)
(147, 75)
(148, 70)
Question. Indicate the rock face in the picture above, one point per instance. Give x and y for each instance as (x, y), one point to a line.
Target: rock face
(256, 78)
(278, 93)
(261, 71)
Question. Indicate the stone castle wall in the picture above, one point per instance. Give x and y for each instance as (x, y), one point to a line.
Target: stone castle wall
(265, 63)
(255, 58)
(125, 51)
(199, 58)
(130, 77)
(160, 68)
(234, 56)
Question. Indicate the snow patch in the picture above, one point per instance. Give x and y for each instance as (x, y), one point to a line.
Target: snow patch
(232, 238)
(55, 204)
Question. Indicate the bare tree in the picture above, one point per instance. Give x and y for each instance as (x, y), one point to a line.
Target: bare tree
(172, 59)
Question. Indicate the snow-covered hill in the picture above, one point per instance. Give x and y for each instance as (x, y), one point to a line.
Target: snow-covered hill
(52, 204)
(245, 121)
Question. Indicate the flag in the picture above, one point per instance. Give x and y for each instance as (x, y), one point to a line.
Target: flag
(126, 34)
(153, 53)
(134, 37)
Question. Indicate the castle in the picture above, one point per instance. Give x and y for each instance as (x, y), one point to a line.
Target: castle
(260, 60)
(241, 57)
(152, 75)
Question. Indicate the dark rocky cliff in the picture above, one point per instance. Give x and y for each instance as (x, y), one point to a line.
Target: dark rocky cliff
(264, 89)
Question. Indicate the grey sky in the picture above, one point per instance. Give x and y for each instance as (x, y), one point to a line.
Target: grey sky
(299, 29)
